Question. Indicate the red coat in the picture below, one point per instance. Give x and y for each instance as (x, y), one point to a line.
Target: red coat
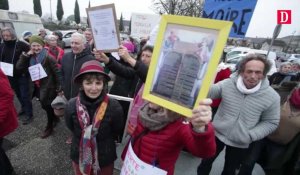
(8, 114)
(221, 75)
(166, 144)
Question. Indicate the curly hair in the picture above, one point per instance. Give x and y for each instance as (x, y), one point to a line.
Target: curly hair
(257, 57)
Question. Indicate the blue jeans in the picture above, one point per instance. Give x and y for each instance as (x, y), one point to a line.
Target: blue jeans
(20, 85)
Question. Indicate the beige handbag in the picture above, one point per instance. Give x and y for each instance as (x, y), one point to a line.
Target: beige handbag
(289, 125)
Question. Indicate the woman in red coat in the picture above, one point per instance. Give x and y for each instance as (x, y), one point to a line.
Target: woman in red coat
(8, 120)
(161, 134)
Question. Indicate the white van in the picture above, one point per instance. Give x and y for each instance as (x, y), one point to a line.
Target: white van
(236, 54)
(20, 22)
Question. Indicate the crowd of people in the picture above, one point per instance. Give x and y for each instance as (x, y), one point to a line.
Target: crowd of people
(251, 114)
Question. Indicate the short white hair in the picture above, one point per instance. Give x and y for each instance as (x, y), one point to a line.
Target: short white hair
(80, 36)
(50, 37)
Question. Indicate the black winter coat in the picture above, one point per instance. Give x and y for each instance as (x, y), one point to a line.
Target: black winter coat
(138, 73)
(70, 67)
(110, 126)
(50, 85)
(10, 52)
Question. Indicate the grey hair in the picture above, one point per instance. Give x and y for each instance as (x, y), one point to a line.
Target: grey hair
(88, 29)
(79, 35)
(285, 64)
(11, 31)
(49, 37)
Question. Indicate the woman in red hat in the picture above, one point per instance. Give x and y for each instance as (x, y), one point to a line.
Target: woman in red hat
(94, 119)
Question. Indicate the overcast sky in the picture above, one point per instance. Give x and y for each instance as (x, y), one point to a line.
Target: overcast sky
(262, 24)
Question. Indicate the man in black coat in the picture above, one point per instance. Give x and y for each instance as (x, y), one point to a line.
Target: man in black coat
(72, 62)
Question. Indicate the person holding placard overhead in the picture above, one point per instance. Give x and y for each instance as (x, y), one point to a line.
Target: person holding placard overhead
(10, 51)
(45, 76)
(161, 134)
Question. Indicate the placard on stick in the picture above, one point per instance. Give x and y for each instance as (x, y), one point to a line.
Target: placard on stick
(103, 23)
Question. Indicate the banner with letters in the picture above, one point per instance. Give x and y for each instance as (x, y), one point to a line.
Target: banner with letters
(142, 24)
(238, 11)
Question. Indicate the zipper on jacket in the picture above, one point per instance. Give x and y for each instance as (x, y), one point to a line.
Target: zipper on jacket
(238, 117)
(71, 95)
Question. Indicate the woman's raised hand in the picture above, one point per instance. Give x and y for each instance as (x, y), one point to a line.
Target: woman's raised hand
(100, 56)
(202, 115)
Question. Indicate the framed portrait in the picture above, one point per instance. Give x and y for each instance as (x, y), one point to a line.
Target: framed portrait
(103, 23)
(184, 61)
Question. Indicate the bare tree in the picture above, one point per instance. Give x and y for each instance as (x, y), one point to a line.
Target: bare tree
(179, 7)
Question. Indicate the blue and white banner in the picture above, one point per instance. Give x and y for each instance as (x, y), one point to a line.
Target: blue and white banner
(238, 11)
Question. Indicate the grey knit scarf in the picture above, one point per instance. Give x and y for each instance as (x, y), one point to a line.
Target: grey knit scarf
(155, 120)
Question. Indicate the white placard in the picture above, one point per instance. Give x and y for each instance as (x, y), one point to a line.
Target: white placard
(37, 72)
(143, 24)
(103, 25)
(133, 165)
(7, 68)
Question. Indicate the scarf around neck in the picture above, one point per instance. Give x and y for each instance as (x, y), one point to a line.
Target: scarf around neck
(38, 58)
(155, 120)
(88, 153)
(242, 88)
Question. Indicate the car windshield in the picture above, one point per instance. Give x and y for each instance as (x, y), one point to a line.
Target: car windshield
(234, 60)
(233, 53)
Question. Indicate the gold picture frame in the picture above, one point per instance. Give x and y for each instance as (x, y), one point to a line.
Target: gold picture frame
(184, 61)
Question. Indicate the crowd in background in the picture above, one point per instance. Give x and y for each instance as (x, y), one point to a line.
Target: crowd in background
(256, 117)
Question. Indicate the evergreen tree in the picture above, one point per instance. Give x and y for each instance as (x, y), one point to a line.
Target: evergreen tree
(130, 25)
(37, 7)
(77, 13)
(87, 19)
(59, 10)
(121, 25)
(4, 4)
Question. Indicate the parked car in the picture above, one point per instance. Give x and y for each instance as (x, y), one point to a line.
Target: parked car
(67, 36)
(234, 60)
(236, 51)
(294, 57)
(236, 54)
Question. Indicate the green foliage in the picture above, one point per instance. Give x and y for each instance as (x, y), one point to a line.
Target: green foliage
(4, 4)
(77, 13)
(59, 10)
(87, 19)
(37, 7)
(121, 25)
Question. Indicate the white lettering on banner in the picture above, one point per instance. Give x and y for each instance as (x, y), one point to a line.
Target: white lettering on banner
(7, 68)
(37, 72)
(284, 17)
(134, 166)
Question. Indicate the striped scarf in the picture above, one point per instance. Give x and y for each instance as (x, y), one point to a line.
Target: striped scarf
(88, 154)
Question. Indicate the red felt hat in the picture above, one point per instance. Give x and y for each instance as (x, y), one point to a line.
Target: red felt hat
(92, 66)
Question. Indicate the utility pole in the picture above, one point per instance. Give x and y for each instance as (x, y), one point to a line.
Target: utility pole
(288, 46)
(51, 10)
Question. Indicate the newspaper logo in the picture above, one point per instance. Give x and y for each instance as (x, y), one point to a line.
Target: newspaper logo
(284, 16)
